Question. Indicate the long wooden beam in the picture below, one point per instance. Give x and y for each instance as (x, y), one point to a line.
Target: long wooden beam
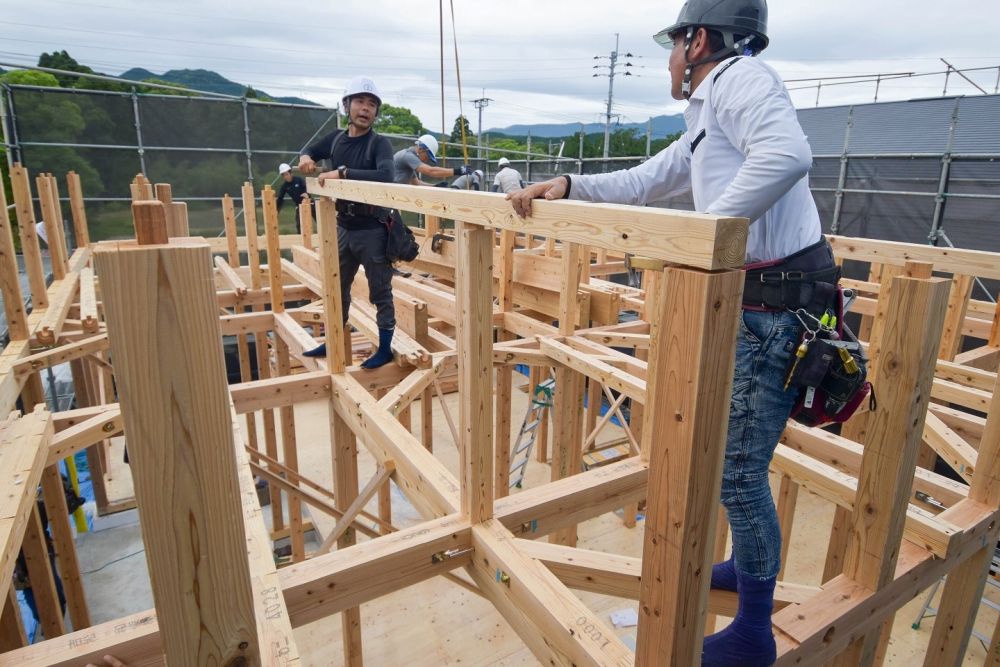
(694, 239)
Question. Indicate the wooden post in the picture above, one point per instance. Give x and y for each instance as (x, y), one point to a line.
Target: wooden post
(788, 495)
(164, 331)
(427, 418)
(504, 374)
(41, 577)
(719, 555)
(903, 371)
(306, 222)
(567, 415)
(432, 226)
(10, 285)
(80, 228)
(261, 349)
(964, 586)
(29, 237)
(150, 221)
(474, 322)
(342, 438)
(52, 218)
(958, 304)
(683, 438)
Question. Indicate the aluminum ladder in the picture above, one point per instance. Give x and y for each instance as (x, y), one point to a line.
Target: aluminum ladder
(541, 400)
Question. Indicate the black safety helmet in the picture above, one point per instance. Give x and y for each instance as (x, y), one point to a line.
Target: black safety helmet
(742, 24)
(729, 17)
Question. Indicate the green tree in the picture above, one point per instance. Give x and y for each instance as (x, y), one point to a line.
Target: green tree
(398, 120)
(456, 133)
(30, 77)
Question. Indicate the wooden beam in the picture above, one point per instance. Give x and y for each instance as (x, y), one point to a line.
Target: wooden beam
(556, 626)
(687, 417)
(33, 266)
(23, 446)
(903, 370)
(474, 300)
(52, 220)
(333, 309)
(952, 260)
(382, 473)
(694, 239)
(77, 207)
(165, 338)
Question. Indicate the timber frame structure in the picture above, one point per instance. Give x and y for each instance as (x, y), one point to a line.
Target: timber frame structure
(139, 322)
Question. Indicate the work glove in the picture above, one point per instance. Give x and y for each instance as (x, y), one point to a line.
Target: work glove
(463, 170)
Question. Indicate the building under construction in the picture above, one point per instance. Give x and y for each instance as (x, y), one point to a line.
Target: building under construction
(534, 478)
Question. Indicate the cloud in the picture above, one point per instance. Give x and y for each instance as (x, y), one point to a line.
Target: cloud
(534, 59)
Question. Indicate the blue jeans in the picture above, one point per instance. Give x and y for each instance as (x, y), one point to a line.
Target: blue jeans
(758, 410)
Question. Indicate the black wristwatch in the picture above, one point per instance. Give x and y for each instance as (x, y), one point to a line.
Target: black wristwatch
(342, 170)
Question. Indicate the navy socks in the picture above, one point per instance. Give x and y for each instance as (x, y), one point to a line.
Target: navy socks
(316, 352)
(384, 353)
(749, 640)
(724, 576)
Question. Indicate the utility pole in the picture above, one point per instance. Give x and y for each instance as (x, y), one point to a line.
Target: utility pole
(611, 67)
(480, 104)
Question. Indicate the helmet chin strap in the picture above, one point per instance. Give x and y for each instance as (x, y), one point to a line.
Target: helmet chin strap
(742, 47)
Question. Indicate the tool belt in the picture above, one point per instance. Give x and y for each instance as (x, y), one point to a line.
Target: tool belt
(353, 209)
(806, 279)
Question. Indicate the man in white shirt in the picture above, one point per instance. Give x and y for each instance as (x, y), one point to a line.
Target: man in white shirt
(744, 154)
(507, 179)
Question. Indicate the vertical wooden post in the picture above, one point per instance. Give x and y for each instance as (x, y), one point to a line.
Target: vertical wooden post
(41, 577)
(10, 285)
(903, 371)
(342, 438)
(683, 438)
(718, 555)
(474, 339)
(788, 495)
(283, 367)
(427, 418)
(504, 374)
(57, 512)
(52, 218)
(163, 327)
(964, 586)
(306, 222)
(261, 348)
(432, 226)
(164, 194)
(958, 304)
(567, 416)
(29, 237)
(80, 227)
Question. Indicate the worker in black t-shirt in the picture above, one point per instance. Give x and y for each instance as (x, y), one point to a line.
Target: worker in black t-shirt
(360, 154)
(294, 187)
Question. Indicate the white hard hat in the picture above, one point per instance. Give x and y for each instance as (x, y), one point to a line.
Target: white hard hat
(431, 144)
(479, 174)
(502, 162)
(360, 85)
(283, 168)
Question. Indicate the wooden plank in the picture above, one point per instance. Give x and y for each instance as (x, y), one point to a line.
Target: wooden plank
(21, 187)
(693, 239)
(306, 221)
(474, 299)
(273, 249)
(382, 473)
(40, 576)
(952, 260)
(687, 416)
(229, 224)
(23, 445)
(57, 512)
(150, 220)
(606, 374)
(289, 451)
(81, 229)
(165, 338)
(51, 320)
(504, 374)
(12, 634)
(950, 446)
(903, 370)
(250, 227)
(230, 277)
(560, 630)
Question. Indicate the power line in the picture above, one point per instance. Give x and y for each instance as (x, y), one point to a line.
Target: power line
(611, 67)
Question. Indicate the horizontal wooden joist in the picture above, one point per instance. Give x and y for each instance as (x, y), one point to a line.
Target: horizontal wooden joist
(692, 239)
(952, 260)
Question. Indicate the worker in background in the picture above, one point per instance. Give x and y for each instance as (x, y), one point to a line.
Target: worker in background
(743, 155)
(294, 187)
(507, 179)
(420, 159)
(473, 181)
(361, 155)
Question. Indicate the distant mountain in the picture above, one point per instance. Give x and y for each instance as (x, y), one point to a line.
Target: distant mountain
(203, 79)
(662, 126)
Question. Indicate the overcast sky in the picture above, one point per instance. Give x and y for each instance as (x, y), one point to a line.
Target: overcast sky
(534, 58)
